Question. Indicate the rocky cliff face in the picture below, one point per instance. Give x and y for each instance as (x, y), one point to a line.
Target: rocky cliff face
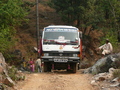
(3, 64)
(4, 77)
(8, 74)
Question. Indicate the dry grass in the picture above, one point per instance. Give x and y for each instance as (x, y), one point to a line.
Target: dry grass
(26, 34)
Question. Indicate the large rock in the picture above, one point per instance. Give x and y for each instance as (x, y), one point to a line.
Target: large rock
(3, 64)
(1, 69)
(106, 81)
(103, 64)
(4, 73)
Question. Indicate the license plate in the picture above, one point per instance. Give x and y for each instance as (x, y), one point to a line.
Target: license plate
(60, 60)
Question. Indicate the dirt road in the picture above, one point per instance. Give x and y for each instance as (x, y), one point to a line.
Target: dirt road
(57, 81)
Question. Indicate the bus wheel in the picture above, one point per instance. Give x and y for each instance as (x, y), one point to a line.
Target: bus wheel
(75, 67)
(47, 67)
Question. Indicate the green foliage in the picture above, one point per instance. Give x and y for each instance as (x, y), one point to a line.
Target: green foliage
(112, 36)
(27, 5)
(80, 10)
(12, 72)
(12, 14)
(116, 73)
(5, 39)
(95, 14)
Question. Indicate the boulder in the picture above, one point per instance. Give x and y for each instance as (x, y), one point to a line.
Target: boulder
(0, 78)
(1, 69)
(94, 83)
(3, 64)
(4, 73)
(103, 64)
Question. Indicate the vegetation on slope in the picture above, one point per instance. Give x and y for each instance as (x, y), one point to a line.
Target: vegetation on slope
(12, 14)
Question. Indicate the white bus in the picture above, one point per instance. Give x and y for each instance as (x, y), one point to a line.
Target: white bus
(61, 48)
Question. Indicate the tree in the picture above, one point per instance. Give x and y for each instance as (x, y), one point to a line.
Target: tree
(12, 14)
(80, 11)
(95, 14)
(91, 15)
(110, 16)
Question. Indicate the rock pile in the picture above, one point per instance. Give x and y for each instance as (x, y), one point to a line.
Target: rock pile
(104, 70)
(106, 81)
(103, 64)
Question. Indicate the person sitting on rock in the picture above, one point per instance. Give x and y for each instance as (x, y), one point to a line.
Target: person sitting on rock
(107, 48)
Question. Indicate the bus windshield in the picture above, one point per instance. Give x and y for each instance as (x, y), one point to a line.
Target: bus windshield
(60, 37)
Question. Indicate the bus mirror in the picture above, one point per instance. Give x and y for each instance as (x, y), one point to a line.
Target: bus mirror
(76, 39)
(80, 34)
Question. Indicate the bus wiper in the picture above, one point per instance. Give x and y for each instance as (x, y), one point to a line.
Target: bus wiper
(50, 41)
(73, 42)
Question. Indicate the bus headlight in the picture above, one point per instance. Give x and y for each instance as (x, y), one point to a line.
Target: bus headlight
(46, 54)
(75, 55)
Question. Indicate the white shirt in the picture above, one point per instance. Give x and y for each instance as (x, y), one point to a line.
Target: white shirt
(107, 46)
(38, 62)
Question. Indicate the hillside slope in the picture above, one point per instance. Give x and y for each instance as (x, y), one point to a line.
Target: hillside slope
(26, 34)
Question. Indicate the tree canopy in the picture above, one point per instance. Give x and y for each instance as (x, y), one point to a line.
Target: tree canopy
(95, 14)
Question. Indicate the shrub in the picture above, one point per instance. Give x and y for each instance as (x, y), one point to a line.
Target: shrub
(12, 71)
(116, 73)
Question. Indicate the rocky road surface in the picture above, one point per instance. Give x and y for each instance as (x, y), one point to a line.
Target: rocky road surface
(60, 80)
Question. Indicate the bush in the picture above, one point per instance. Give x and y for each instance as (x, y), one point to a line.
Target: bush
(12, 71)
(116, 73)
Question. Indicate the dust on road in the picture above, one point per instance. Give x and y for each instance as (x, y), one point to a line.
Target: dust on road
(57, 81)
